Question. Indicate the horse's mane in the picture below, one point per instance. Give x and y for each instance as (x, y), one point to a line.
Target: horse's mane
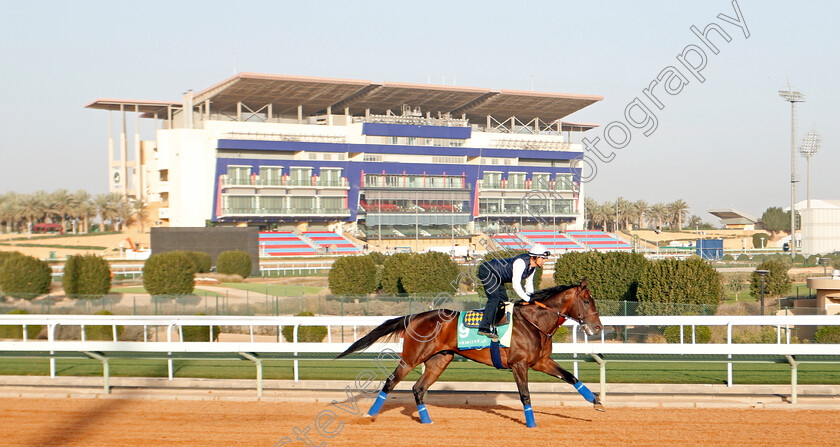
(543, 294)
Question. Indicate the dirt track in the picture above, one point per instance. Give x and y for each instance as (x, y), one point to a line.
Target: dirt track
(122, 422)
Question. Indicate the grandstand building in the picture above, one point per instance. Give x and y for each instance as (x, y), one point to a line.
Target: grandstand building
(379, 160)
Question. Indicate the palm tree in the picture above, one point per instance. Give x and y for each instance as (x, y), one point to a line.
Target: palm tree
(624, 210)
(658, 211)
(642, 209)
(694, 221)
(607, 215)
(7, 210)
(677, 210)
(106, 205)
(60, 204)
(141, 210)
(124, 212)
(80, 205)
(589, 208)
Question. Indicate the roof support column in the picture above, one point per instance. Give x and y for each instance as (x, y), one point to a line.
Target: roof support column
(239, 111)
(270, 111)
(487, 129)
(110, 152)
(300, 114)
(137, 181)
(206, 109)
(329, 116)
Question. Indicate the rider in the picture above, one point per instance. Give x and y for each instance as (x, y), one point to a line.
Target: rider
(495, 273)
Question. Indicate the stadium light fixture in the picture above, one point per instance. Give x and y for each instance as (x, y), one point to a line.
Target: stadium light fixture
(792, 96)
(810, 145)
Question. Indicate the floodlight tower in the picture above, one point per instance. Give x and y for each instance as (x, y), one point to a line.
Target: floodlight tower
(810, 146)
(792, 96)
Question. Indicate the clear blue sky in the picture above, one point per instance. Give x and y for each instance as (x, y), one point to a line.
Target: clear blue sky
(721, 143)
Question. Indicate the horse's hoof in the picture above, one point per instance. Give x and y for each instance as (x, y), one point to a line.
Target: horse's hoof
(599, 407)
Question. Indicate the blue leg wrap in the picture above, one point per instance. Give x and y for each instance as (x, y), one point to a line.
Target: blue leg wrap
(424, 414)
(374, 409)
(584, 391)
(529, 417)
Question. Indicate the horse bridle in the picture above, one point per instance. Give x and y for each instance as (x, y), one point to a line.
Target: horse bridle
(560, 316)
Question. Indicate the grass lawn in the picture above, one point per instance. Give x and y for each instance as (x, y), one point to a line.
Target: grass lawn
(275, 289)
(141, 289)
(458, 371)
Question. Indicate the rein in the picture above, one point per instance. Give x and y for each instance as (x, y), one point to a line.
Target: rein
(560, 316)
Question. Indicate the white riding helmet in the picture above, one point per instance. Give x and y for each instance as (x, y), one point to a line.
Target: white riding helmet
(539, 250)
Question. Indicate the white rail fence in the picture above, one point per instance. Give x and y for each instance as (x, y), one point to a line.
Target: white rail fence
(582, 348)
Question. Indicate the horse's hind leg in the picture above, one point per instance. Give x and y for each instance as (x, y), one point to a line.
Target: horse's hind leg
(402, 370)
(434, 367)
(551, 368)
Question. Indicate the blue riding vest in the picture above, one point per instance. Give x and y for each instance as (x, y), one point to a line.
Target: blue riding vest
(503, 268)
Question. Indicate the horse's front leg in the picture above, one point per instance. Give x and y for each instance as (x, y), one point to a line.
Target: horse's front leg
(551, 368)
(520, 373)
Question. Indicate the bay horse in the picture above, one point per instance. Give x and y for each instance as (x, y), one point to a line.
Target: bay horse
(431, 338)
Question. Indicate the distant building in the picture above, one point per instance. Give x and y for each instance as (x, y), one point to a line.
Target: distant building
(734, 219)
(384, 159)
(820, 232)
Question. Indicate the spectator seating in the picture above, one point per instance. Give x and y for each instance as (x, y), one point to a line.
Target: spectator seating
(509, 241)
(284, 244)
(557, 243)
(598, 240)
(332, 243)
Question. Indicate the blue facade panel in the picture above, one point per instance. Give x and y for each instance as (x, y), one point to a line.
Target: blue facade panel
(408, 130)
(711, 249)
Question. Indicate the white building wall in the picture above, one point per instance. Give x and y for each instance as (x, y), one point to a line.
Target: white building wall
(820, 230)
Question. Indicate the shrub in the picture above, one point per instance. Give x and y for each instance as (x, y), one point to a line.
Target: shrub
(670, 281)
(754, 334)
(169, 273)
(86, 276)
(728, 258)
(758, 258)
(561, 336)
(836, 263)
(799, 259)
(103, 333)
(612, 276)
(431, 272)
(828, 334)
(776, 283)
(743, 257)
(235, 262)
(353, 275)
(702, 334)
(378, 258)
(202, 261)
(760, 240)
(306, 334)
(199, 333)
(24, 276)
(16, 332)
(812, 260)
(392, 273)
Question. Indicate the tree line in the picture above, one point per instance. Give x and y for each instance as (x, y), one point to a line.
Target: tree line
(73, 210)
(623, 214)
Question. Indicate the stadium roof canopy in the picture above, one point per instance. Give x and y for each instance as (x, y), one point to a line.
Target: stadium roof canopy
(733, 217)
(314, 95)
(147, 108)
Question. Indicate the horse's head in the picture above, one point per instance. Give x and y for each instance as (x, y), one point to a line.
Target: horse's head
(583, 310)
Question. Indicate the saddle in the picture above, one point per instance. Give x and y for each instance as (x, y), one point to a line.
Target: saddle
(472, 318)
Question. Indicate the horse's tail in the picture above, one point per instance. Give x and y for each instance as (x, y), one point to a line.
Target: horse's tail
(394, 326)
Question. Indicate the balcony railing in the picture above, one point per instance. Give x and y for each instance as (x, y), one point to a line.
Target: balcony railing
(285, 181)
(285, 211)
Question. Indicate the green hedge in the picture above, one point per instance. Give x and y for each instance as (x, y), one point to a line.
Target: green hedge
(169, 273)
(353, 275)
(199, 333)
(672, 281)
(728, 258)
(743, 257)
(612, 276)
(16, 332)
(757, 239)
(203, 262)
(235, 262)
(776, 283)
(702, 334)
(86, 276)
(306, 334)
(24, 276)
(431, 272)
(103, 333)
(393, 271)
(828, 334)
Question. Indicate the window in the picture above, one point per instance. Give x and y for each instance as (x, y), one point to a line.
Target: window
(270, 175)
(332, 204)
(273, 204)
(300, 177)
(541, 181)
(239, 175)
(563, 182)
(492, 180)
(513, 206)
(372, 157)
(489, 206)
(330, 177)
(242, 204)
(516, 180)
(303, 204)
